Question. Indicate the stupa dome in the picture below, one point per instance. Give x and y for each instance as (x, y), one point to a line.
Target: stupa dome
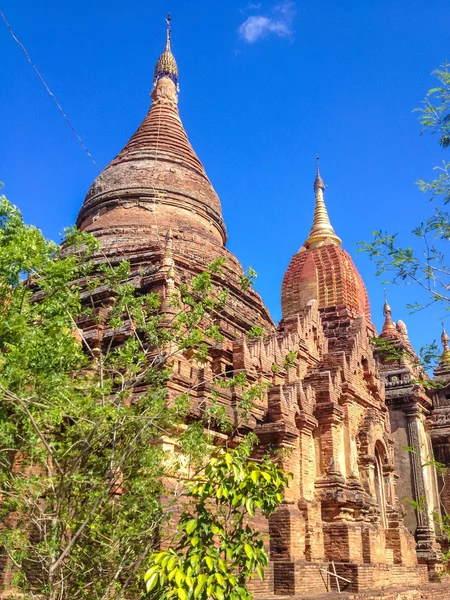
(322, 271)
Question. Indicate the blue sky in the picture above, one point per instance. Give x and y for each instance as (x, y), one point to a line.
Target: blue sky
(264, 87)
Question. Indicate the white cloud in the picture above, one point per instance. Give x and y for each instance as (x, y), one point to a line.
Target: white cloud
(257, 27)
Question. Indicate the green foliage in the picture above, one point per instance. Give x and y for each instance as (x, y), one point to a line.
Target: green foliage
(289, 359)
(435, 113)
(70, 419)
(390, 350)
(257, 331)
(215, 551)
(82, 416)
(247, 280)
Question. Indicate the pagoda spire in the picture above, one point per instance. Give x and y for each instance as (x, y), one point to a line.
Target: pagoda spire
(166, 65)
(157, 166)
(321, 230)
(445, 357)
(389, 325)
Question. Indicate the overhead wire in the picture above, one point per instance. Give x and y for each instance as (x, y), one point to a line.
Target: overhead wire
(68, 121)
(51, 94)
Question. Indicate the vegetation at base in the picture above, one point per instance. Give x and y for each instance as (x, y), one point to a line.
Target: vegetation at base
(85, 360)
(215, 551)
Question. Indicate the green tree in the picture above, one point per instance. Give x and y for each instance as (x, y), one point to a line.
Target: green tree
(425, 261)
(215, 552)
(81, 416)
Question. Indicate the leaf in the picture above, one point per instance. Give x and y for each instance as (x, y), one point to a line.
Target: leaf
(209, 561)
(181, 594)
(260, 572)
(191, 525)
(150, 572)
(159, 557)
(219, 593)
(151, 583)
(198, 589)
(249, 506)
(222, 565)
(248, 550)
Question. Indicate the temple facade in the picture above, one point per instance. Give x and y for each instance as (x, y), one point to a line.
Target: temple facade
(342, 406)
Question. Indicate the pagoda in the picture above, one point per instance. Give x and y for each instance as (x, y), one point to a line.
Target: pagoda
(155, 207)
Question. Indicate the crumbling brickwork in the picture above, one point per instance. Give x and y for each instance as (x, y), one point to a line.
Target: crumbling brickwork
(154, 206)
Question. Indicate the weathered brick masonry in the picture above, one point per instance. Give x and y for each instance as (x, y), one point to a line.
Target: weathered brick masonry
(155, 206)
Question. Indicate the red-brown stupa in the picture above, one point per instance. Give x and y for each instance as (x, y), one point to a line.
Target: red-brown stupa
(157, 185)
(322, 271)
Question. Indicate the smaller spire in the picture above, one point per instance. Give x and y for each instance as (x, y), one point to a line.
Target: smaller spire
(389, 327)
(321, 230)
(444, 363)
(166, 65)
(386, 308)
(444, 338)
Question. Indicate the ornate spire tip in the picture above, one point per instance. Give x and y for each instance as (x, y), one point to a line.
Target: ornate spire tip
(321, 231)
(169, 18)
(318, 183)
(167, 65)
(386, 307)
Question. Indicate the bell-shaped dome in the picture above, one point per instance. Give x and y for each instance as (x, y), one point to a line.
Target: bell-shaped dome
(157, 175)
(155, 188)
(322, 271)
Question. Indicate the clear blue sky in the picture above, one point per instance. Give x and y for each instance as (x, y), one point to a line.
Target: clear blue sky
(264, 87)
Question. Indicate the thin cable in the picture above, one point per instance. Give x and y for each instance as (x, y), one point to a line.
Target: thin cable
(83, 145)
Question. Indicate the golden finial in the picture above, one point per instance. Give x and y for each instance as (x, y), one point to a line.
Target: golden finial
(321, 229)
(386, 308)
(445, 356)
(318, 182)
(167, 65)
